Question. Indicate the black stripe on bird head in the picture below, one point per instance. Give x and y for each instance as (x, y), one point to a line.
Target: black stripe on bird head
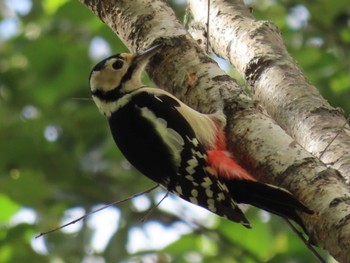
(102, 63)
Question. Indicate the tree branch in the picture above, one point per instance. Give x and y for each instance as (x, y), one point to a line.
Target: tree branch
(257, 50)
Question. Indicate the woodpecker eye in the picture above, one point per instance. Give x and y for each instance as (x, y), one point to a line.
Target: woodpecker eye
(118, 64)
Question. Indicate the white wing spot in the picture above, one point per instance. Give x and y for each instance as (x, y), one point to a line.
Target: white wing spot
(211, 205)
(194, 141)
(223, 187)
(189, 177)
(178, 189)
(221, 197)
(192, 164)
(194, 193)
(193, 200)
(207, 182)
(198, 153)
(210, 170)
(209, 193)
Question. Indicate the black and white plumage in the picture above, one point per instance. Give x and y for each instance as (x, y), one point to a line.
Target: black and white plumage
(176, 146)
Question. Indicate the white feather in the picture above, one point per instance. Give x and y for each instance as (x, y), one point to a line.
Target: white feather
(171, 138)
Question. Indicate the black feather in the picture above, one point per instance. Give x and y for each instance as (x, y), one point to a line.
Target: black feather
(108, 96)
(270, 198)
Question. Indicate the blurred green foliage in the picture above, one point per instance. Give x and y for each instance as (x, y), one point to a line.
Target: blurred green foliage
(57, 153)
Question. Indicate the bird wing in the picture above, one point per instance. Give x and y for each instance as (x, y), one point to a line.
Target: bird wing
(165, 149)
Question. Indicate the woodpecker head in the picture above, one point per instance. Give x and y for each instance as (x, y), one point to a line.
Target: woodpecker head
(119, 73)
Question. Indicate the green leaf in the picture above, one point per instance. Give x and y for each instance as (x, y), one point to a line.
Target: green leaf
(341, 83)
(8, 208)
(51, 6)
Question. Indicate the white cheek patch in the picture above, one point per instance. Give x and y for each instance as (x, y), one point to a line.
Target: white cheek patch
(105, 79)
(171, 138)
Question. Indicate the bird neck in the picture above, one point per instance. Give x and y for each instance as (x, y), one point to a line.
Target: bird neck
(131, 85)
(117, 98)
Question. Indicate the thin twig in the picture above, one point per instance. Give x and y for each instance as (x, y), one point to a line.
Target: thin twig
(306, 242)
(208, 21)
(342, 127)
(81, 98)
(148, 214)
(97, 210)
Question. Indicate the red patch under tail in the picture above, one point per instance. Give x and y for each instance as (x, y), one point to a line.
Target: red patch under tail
(222, 163)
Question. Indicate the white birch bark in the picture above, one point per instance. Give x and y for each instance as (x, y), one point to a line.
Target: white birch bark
(256, 141)
(257, 50)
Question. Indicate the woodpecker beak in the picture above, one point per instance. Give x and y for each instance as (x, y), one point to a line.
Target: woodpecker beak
(145, 55)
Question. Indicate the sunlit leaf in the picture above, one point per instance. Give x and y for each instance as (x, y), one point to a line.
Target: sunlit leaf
(51, 6)
(8, 208)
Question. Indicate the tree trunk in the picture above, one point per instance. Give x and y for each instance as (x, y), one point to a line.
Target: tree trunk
(261, 145)
(257, 51)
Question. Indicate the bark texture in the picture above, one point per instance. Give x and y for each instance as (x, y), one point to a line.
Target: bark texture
(255, 139)
(257, 50)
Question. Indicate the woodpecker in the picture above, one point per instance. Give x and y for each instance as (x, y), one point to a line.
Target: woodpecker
(178, 147)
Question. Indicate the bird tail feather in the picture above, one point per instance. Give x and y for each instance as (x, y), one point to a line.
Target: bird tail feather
(268, 197)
